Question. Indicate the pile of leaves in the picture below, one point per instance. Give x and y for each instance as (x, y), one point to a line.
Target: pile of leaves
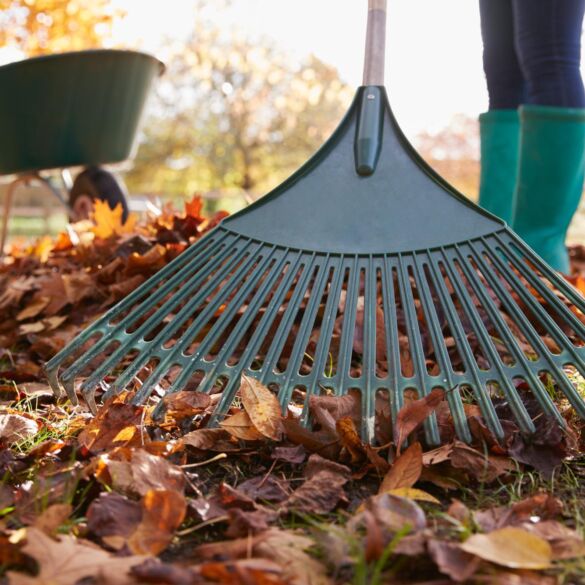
(126, 497)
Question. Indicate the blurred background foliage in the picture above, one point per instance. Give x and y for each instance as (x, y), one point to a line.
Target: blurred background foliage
(232, 116)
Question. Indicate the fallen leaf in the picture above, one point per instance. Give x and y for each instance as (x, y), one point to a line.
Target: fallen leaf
(141, 473)
(240, 426)
(112, 417)
(412, 415)
(53, 517)
(112, 514)
(163, 511)
(108, 221)
(67, 561)
(14, 428)
(452, 560)
(405, 471)
(511, 547)
(288, 550)
(484, 467)
(413, 494)
(262, 407)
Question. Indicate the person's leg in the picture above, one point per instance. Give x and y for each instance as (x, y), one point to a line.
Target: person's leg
(499, 126)
(552, 137)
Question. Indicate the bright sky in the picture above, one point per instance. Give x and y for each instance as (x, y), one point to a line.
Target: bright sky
(433, 53)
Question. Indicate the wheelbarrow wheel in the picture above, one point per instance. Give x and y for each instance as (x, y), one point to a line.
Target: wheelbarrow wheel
(96, 183)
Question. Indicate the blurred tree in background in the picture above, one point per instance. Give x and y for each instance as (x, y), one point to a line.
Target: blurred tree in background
(454, 153)
(51, 26)
(235, 114)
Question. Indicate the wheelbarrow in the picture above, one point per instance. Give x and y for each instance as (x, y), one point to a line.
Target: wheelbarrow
(78, 109)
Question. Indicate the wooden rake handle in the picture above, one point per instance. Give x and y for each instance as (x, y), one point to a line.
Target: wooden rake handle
(375, 43)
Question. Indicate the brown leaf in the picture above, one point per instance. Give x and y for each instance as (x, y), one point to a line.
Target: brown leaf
(350, 439)
(511, 547)
(67, 561)
(186, 403)
(263, 407)
(105, 430)
(15, 427)
(452, 561)
(163, 511)
(288, 550)
(406, 470)
(112, 514)
(393, 513)
(210, 440)
(565, 543)
(412, 415)
(240, 426)
(329, 409)
(144, 472)
(484, 467)
(323, 489)
(53, 517)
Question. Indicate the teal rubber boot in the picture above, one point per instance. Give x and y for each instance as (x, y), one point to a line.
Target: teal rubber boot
(550, 179)
(499, 132)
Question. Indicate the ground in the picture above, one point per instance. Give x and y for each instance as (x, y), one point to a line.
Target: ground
(138, 495)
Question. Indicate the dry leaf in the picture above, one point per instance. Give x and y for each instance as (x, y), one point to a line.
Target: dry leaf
(511, 547)
(14, 428)
(406, 470)
(163, 511)
(53, 517)
(413, 494)
(412, 415)
(67, 561)
(240, 426)
(108, 222)
(262, 407)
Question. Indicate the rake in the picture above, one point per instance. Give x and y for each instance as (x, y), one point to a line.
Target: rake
(364, 271)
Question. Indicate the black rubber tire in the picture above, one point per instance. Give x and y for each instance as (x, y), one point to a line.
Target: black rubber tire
(98, 183)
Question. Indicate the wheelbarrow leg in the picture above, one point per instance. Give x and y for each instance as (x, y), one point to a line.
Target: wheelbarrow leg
(7, 207)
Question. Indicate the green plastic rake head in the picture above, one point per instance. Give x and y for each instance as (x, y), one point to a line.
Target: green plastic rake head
(363, 271)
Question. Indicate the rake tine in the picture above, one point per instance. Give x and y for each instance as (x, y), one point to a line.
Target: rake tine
(324, 341)
(369, 356)
(545, 319)
(544, 399)
(417, 353)
(487, 408)
(392, 341)
(230, 345)
(518, 408)
(572, 294)
(101, 324)
(348, 326)
(117, 332)
(446, 370)
(304, 332)
(287, 320)
(255, 341)
(174, 354)
(136, 340)
(532, 336)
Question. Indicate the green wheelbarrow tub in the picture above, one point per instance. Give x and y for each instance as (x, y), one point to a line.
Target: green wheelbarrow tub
(69, 109)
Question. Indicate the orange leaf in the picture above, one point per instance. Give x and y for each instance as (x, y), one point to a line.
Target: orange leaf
(262, 407)
(406, 470)
(240, 426)
(194, 207)
(413, 414)
(108, 222)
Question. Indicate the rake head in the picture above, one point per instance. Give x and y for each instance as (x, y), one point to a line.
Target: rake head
(337, 281)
